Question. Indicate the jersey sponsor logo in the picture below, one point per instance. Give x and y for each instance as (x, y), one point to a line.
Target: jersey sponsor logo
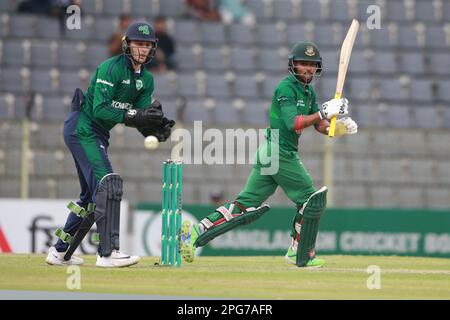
(139, 84)
(300, 103)
(121, 105)
(105, 82)
(127, 81)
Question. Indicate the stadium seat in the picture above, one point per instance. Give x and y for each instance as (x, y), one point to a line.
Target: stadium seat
(435, 37)
(421, 91)
(43, 82)
(11, 80)
(142, 7)
(225, 113)
(104, 28)
(424, 11)
(295, 32)
(55, 109)
(70, 56)
(172, 8)
(240, 34)
(256, 113)
(339, 11)
(311, 10)
(391, 89)
(69, 81)
(48, 28)
(358, 63)
(426, 117)
(242, 59)
(213, 33)
(245, 86)
(360, 88)
(269, 84)
(163, 85)
(23, 25)
(13, 53)
(213, 59)
(324, 36)
(444, 90)
(283, 10)
(411, 62)
(187, 85)
(381, 38)
(270, 61)
(258, 9)
(268, 35)
(186, 59)
(43, 55)
(96, 54)
(439, 63)
(395, 11)
(382, 62)
(400, 116)
(187, 31)
(114, 8)
(330, 61)
(217, 86)
(407, 37)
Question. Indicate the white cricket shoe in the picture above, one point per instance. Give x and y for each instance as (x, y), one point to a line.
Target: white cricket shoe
(56, 258)
(116, 260)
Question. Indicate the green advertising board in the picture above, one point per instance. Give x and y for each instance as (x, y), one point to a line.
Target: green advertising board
(407, 232)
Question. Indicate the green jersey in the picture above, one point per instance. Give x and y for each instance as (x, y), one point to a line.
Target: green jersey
(114, 88)
(290, 99)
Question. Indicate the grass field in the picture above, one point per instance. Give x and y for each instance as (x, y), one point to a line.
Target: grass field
(343, 277)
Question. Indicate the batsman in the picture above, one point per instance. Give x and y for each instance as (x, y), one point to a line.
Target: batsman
(294, 108)
(120, 91)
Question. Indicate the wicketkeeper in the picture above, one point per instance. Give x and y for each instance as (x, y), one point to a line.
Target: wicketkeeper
(120, 91)
(294, 108)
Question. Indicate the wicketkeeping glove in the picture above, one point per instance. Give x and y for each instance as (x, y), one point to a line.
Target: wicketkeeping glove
(334, 107)
(143, 118)
(162, 133)
(345, 126)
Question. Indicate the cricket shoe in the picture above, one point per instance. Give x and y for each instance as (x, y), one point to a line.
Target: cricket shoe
(291, 257)
(56, 258)
(189, 233)
(117, 259)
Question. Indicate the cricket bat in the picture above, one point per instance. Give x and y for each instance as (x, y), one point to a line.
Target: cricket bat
(346, 51)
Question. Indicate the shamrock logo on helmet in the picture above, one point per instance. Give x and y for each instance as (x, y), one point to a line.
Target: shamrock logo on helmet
(144, 29)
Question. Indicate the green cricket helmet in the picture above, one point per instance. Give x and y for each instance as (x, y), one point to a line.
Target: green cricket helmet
(305, 51)
(140, 31)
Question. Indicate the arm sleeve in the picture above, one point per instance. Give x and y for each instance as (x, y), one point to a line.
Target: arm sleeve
(288, 105)
(105, 87)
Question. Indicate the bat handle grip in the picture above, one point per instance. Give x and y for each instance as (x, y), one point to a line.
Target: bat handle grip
(332, 127)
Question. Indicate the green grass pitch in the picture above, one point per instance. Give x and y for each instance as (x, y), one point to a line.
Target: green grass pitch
(343, 277)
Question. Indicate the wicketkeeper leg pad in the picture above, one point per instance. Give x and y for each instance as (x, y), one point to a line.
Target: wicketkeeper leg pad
(311, 212)
(107, 212)
(230, 221)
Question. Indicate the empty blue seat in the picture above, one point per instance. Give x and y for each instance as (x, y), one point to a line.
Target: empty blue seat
(114, 8)
(360, 88)
(283, 10)
(269, 84)
(142, 8)
(358, 63)
(13, 53)
(245, 86)
(187, 31)
(339, 11)
(217, 86)
(163, 85)
(271, 61)
(311, 10)
(213, 59)
(42, 82)
(267, 34)
(424, 11)
(242, 59)
(295, 33)
(258, 9)
(96, 54)
(48, 28)
(69, 81)
(103, 28)
(435, 37)
(42, 55)
(11, 80)
(55, 109)
(241, 34)
(439, 63)
(421, 90)
(395, 11)
(426, 117)
(186, 85)
(173, 8)
(400, 116)
(384, 62)
(390, 89)
(444, 90)
(411, 62)
(324, 35)
(23, 25)
(213, 33)
(380, 38)
(187, 59)
(256, 112)
(407, 37)
(70, 56)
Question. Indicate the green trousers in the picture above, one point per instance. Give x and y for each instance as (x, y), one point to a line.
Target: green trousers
(291, 176)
